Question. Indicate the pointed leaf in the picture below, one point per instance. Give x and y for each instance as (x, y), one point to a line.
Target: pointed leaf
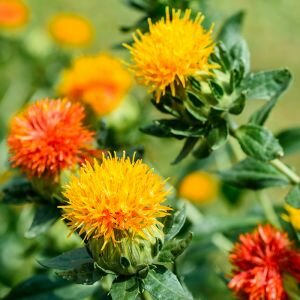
(289, 139)
(125, 288)
(188, 146)
(254, 174)
(173, 248)
(258, 142)
(230, 32)
(173, 223)
(45, 216)
(163, 284)
(69, 260)
(293, 197)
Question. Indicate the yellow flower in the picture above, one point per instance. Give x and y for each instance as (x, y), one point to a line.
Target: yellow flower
(13, 13)
(71, 30)
(116, 196)
(292, 216)
(174, 49)
(99, 81)
(199, 187)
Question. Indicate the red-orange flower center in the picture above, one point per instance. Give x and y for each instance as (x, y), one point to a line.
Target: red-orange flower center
(259, 260)
(48, 137)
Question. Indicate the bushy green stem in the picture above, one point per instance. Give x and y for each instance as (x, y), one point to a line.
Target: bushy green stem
(279, 165)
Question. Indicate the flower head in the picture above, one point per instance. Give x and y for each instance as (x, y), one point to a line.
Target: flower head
(199, 187)
(99, 81)
(71, 30)
(13, 13)
(116, 196)
(175, 47)
(260, 259)
(49, 136)
(292, 216)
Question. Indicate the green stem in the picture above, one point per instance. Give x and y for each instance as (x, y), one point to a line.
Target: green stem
(268, 209)
(146, 295)
(222, 242)
(279, 165)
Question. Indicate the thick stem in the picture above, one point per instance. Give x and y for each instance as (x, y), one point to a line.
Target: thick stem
(279, 165)
(146, 296)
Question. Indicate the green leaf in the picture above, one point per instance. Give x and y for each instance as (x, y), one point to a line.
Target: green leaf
(240, 52)
(42, 287)
(293, 197)
(289, 139)
(218, 136)
(125, 288)
(19, 191)
(258, 142)
(259, 117)
(163, 284)
(45, 216)
(267, 84)
(84, 274)
(173, 223)
(254, 174)
(188, 146)
(230, 32)
(69, 260)
(173, 248)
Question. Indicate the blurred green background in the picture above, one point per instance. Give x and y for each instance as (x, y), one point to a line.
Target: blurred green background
(271, 29)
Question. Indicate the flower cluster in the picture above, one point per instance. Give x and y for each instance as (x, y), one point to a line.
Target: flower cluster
(99, 81)
(49, 136)
(174, 49)
(260, 259)
(71, 30)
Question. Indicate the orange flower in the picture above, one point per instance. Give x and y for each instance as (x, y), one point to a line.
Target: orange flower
(117, 196)
(49, 136)
(13, 13)
(99, 81)
(199, 187)
(260, 259)
(71, 30)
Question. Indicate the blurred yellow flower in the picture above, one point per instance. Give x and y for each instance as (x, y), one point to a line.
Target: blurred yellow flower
(71, 30)
(99, 81)
(116, 196)
(199, 187)
(176, 47)
(292, 216)
(13, 13)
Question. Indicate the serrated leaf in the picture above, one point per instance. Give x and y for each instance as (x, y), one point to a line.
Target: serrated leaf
(254, 174)
(293, 197)
(68, 260)
(163, 284)
(173, 223)
(19, 191)
(217, 136)
(289, 139)
(43, 287)
(84, 274)
(260, 116)
(188, 146)
(125, 288)
(267, 84)
(258, 142)
(230, 32)
(173, 248)
(240, 52)
(45, 216)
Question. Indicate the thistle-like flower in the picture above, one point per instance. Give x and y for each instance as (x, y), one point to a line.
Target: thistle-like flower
(49, 136)
(174, 48)
(199, 187)
(259, 261)
(99, 81)
(115, 206)
(13, 13)
(71, 30)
